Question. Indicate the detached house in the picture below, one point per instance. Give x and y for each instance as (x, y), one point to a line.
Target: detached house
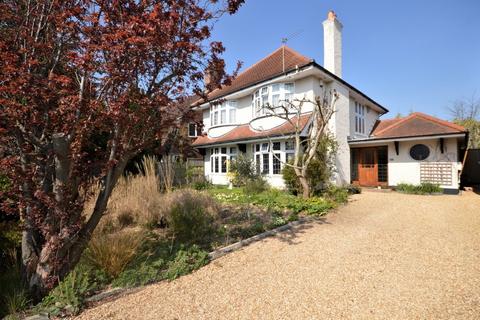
(371, 152)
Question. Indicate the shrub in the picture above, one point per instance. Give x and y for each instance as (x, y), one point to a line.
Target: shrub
(70, 293)
(319, 170)
(241, 170)
(190, 215)
(144, 273)
(125, 219)
(353, 189)
(255, 185)
(290, 179)
(201, 184)
(423, 188)
(186, 261)
(16, 301)
(139, 195)
(13, 296)
(112, 252)
(337, 194)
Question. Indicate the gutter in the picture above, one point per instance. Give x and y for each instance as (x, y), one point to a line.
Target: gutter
(407, 138)
(300, 68)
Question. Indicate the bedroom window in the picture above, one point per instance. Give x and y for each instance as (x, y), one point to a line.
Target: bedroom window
(273, 95)
(359, 118)
(224, 113)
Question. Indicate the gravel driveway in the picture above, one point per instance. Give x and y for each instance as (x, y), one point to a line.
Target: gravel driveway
(383, 256)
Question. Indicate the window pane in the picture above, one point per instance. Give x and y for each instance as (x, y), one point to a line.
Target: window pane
(356, 124)
(289, 97)
(224, 164)
(276, 146)
(266, 163)
(192, 129)
(233, 150)
(232, 116)
(215, 118)
(275, 87)
(275, 100)
(277, 167)
(289, 145)
(212, 168)
(264, 90)
(257, 147)
(264, 99)
(264, 146)
(224, 150)
(223, 116)
(289, 157)
(215, 159)
(288, 87)
(257, 163)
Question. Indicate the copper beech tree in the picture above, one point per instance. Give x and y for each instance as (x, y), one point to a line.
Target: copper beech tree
(84, 87)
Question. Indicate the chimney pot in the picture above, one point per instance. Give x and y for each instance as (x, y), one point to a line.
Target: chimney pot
(331, 15)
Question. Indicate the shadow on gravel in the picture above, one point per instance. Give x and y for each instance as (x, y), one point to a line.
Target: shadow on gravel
(290, 236)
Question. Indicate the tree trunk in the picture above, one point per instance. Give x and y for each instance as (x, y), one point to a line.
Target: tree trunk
(305, 187)
(48, 261)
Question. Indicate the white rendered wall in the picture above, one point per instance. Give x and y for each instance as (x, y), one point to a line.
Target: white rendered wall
(403, 169)
(340, 126)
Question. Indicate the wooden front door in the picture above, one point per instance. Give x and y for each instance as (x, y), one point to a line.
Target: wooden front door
(367, 167)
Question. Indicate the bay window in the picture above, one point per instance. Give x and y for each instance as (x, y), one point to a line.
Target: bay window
(219, 158)
(268, 157)
(223, 113)
(274, 95)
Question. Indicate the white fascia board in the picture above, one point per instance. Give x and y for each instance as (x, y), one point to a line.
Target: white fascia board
(259, 140)
(381, 141)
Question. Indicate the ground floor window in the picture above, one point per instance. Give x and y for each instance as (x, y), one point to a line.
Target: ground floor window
(269, 157)
(219, 158)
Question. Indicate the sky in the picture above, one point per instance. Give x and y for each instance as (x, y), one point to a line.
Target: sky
(407, 55)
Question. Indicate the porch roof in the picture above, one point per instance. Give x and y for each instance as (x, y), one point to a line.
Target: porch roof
(414, 125)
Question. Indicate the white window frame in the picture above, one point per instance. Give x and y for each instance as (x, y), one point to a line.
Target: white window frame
(196, 130)
(360, 111)
(265, 148)
(223, 113)
(265, 95)
(216, 158)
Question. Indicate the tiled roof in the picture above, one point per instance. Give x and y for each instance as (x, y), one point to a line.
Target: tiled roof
(416, 124)
(244, 132)
(282, 60)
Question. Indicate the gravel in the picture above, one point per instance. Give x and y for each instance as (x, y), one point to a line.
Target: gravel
(382, 256)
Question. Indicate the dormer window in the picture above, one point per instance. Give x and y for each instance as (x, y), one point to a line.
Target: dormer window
(360, 118)
(273, 95)
(223, 113)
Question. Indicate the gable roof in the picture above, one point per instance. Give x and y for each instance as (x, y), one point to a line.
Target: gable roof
(416, 124)
(245, 132)
(282, 60)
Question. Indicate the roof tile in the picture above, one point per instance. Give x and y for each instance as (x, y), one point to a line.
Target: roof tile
(278, 62)
(416, 124)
